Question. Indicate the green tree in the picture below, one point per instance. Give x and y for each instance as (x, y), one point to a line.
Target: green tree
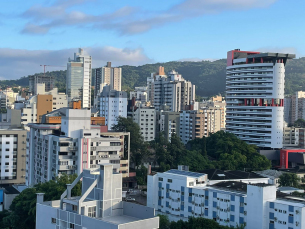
(163, 222)
(289, 179)
(3, 110)
(300, 123)
(23, 208)
(138, 148)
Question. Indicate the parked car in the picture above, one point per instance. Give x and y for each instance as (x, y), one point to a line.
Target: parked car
(130, 199)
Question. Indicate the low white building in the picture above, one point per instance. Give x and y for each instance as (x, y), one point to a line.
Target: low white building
(70, 147)
(180, 194)
(113, 104)
(99, 206)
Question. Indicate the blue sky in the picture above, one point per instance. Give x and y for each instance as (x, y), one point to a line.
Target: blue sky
(138, 32)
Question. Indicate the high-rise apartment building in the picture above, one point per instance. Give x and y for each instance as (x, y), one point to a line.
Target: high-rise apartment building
(140, 94)
(255, 97)
(113, 104)
(70, 147)
(79, 78)
(167, 122)
(294, 108)
(107, 76)
(34, 80)
(12, 156)
(41, 104)
(171, 90)
(146, 119)
(199, 123)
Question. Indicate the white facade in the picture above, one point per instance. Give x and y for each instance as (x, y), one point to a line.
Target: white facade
(79, 78)
(180, 194)
(12, 152)
(172, 90)
(99, 206)
(140, 94)
(29, 111)
(107, 75)
(146, 119)
(78, 147)
(113, 104)
(255, 97)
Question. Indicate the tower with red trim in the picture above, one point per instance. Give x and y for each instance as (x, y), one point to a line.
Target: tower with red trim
(255, 85)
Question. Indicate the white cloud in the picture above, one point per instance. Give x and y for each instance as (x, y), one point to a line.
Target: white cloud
(128, 20)
(16, 63)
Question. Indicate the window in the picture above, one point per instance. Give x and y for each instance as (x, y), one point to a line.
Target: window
(291, 208)
(72, 225)
(232, 198)
(74, 208)
(160, 179)
(232, 208)
(7, 142)
(53, 220)
(271, 215)
(92, 212)
(232, 218)
(271, 205)
(169, 180)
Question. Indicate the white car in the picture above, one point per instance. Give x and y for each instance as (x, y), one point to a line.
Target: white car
(130, 199)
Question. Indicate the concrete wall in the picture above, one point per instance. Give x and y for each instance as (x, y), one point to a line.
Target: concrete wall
(138, 211)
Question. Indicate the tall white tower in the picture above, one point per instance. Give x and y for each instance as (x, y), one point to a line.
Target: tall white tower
(255, 85)
(79, 78)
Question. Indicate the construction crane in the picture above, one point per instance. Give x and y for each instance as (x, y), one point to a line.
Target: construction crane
(45, 65)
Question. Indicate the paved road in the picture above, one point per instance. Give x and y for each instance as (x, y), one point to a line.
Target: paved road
(140, 199)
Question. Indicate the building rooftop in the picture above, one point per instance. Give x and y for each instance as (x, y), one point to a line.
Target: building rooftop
(283, 189)
(11, 190)
(270, 173)
(120, 219)
(184, 173)
(231, 185)
(217, 174)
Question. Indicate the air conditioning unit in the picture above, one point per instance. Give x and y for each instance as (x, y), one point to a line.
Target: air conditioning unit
(297, 223)
(192, 212)
(297, 212)
(218, 207)
(245, 212)
(275, 219)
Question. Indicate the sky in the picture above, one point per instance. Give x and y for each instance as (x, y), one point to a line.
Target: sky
(134, 32)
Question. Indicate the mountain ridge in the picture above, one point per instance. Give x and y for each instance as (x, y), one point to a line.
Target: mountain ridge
(208, 76)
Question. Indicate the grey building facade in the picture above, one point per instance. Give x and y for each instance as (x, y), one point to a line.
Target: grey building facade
(100, 205)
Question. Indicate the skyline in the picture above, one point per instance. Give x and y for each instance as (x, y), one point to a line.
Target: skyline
(49, 32)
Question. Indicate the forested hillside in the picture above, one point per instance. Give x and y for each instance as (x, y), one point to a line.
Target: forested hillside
(209, 77)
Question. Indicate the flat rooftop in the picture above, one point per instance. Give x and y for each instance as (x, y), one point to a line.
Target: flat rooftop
(185, 173)
(121, 219)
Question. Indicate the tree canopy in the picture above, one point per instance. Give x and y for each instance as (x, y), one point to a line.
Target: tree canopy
(300, 123)
(192, 223)
(138, 148)
(22, 213)
(220, 150)
(289, 179)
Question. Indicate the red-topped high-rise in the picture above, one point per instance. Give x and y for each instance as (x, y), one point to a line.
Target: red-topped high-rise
(255, 84)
